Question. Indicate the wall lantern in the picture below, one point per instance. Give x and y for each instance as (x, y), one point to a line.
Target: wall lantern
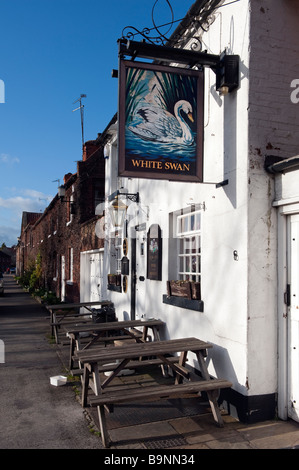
(117, 212)
(118, 208)
(106, 151)
(61, 195)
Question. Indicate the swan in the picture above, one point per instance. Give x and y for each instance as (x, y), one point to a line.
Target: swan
(158, 125)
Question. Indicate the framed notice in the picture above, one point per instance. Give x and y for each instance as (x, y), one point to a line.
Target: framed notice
(160, 119)
(154, 253)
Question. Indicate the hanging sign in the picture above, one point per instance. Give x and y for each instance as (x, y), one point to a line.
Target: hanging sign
(160, 122)
(154, 253)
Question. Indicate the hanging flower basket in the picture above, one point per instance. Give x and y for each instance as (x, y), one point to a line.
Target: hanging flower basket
(186, 289)
(114, 279)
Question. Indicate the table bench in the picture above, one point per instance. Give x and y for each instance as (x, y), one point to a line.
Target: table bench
(94, 361)
(57, 319)
(110, 331)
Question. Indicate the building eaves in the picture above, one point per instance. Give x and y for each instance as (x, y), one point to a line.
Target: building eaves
(277, 165)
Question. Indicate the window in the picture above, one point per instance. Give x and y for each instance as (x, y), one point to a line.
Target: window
(70, 264)
(70, 207)
(99, 195)
(55, 265)
(184, 263)
(188, 231)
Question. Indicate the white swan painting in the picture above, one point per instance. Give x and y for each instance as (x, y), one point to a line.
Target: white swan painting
(158, 125)
(160, 121)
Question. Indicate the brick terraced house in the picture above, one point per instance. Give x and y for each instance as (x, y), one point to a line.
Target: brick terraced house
(66, 231)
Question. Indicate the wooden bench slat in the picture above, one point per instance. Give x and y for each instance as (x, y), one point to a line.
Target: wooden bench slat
(130, 365)
(135, 350)
(118, 325)
(102, 339)
(162, 392)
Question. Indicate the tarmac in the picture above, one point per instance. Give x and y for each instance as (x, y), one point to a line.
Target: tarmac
(38, 415)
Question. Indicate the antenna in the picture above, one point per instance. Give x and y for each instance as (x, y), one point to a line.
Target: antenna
(58, 180)
(81, 107)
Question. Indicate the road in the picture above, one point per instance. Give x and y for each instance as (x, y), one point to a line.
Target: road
(34, 413)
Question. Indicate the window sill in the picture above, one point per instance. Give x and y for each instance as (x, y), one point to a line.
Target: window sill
(181, 302)
(69, 283)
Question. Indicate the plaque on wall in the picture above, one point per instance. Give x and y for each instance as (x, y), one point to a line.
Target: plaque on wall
(154, 253)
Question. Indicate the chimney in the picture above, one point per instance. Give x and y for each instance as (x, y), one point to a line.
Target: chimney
(66, 177)
(89, 148)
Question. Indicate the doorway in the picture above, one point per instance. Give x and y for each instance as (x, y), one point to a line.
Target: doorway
(92, 286)
(138, 272)
(292, 302)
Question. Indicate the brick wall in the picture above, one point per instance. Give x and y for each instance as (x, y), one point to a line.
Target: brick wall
(58, 231)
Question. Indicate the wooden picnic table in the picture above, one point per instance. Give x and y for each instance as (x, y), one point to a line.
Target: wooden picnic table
(67, 311)
(161, 350)
(111, 331)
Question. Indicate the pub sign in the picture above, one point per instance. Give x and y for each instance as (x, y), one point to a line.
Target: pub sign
(160, 119)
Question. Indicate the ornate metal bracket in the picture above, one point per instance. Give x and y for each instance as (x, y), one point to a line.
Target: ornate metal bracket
(160, 38)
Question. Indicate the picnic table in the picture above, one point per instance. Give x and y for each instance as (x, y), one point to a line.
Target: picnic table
(60, 312)
(129, 355)
(111, 331)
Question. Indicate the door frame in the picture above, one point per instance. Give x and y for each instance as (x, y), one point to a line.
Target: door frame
(133, 278)
(285, 211)
(134, 263)
(62, 278)
(85, 287)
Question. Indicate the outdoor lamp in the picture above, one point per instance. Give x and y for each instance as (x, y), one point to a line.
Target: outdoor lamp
(61, 195)
(106, 151)
(61, 192)
(117, 212)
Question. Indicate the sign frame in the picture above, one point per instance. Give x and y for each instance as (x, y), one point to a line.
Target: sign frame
(173, 167)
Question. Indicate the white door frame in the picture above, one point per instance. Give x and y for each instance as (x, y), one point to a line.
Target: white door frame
(62, 278)
(85, 288)
(283, 225)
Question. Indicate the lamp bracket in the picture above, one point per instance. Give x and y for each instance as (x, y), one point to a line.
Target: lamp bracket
(64, 199)
(222, 183)
(134, 197)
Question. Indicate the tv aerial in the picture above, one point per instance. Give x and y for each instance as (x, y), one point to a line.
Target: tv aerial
(81, 107)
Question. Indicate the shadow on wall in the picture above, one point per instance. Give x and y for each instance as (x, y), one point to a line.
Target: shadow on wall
(230, 134)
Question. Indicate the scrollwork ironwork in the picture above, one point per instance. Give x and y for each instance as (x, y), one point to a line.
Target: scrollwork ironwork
(160, 38)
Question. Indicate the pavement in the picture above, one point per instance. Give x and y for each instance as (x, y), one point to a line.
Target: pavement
(38, 415)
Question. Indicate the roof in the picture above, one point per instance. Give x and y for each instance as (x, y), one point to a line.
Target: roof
(29, 218)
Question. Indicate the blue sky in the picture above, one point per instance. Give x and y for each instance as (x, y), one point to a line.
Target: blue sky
(51, 51)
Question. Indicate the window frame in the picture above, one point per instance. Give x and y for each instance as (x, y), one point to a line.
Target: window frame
(188, 233)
